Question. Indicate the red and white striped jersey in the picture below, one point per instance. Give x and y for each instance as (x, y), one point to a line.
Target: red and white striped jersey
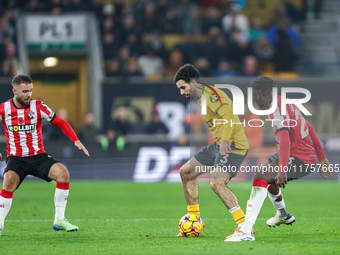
(301, 143)
(23, 127)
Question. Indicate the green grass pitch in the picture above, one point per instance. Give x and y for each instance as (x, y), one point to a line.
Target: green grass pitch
(128, 218)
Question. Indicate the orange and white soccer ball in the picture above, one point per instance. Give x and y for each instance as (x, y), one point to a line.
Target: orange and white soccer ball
(191, 225)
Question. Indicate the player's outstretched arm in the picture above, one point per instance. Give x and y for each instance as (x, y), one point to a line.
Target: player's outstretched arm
(316, 141)
(323, 161)
(80, 146)
(284, 152)
(325, 167)
(69, 132)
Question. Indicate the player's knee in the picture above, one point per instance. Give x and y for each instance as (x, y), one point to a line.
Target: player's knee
(11, 182)
(183, 173)
(9, 186)
(216, 183)
(63, 176)
(213, 184)
(226, 182)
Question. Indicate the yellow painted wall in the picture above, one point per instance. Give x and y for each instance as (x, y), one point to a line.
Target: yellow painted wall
(266, 9)
(70, 95)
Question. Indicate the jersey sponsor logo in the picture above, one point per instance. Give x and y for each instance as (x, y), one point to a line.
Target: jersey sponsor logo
(30, 128)
(210, 123)
(214, 97)
(30, 115)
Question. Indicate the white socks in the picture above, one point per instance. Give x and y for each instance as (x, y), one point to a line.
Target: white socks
(254, 204)
(279, 205)
(5, 205)
(60, 200)
(6, 198)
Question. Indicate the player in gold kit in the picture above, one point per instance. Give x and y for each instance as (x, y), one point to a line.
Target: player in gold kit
(225, 155)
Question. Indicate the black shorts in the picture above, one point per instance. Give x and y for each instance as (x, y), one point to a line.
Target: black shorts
(38, 166)
(210, 156)
(296, 167)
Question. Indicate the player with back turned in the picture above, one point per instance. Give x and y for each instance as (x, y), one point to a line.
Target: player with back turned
(226, 153)
(298, 146)
(22, 119)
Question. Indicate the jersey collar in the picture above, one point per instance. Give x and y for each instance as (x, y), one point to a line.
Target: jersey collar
(18, 107)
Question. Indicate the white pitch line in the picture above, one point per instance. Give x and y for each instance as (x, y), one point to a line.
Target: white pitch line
(159, 219)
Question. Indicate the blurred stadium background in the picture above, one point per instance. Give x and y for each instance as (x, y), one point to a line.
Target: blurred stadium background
(106, 66)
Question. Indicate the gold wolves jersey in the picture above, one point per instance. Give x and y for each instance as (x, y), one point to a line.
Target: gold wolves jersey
(216, 116)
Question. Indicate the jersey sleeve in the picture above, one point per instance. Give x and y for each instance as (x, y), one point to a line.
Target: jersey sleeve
(284, 149)
(317, 144)
(46, 112)
(65, 127)
(1, 112)
(279, 122)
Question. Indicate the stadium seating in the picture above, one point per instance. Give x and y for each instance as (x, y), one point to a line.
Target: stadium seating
(265, 8)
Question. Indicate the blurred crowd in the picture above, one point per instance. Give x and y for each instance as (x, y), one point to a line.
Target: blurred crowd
(137, 35)
(9, 62)
(213, 35)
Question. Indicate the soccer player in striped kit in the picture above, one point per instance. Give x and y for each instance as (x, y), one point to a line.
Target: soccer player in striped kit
(299, 148)
(22, 119)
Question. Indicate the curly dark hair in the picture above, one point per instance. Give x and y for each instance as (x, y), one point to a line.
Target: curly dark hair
(21, 78)
(263, 84)
(186, 73)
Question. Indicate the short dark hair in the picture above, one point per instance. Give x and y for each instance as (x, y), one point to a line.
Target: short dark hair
(21, 78)
(263, 84)
(186, 73)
